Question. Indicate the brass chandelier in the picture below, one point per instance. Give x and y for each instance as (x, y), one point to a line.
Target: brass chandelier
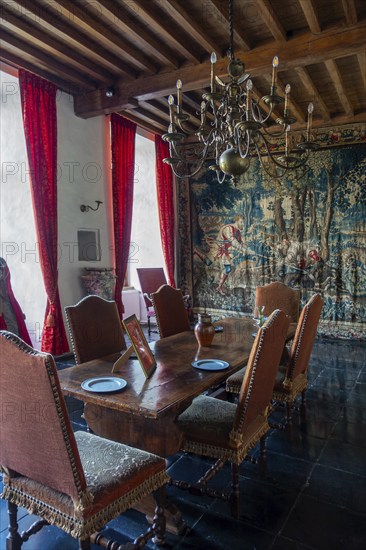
(237, 129)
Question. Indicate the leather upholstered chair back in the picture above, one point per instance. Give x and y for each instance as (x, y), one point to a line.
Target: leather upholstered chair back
(37, 440)
(304, 337)
(170, 311)
(257, 387)
(276, 295)
(151, 278)
(95, 328)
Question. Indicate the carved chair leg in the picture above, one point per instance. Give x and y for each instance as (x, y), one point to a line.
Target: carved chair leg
(84, 544)
(159, 522)
(148, 324)
(13, 540)
(262, 456)
(234, 497)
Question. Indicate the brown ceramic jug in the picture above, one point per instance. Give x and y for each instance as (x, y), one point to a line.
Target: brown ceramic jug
(204, 330)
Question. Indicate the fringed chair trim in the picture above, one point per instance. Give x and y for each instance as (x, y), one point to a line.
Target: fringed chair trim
(289, 392)
(78, 528)
(235, 455)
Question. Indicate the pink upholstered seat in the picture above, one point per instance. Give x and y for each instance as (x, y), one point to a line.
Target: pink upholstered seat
(76, 482)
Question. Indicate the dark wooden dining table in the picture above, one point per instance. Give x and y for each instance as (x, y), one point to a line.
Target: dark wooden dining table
(143, 414)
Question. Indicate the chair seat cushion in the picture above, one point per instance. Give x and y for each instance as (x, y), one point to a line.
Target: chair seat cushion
(208, 419)
(234, 382)
(207, 426)
(117, 476)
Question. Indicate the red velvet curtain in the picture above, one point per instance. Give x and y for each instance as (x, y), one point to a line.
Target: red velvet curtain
(123, 134)
(40, 127)
(164, 189)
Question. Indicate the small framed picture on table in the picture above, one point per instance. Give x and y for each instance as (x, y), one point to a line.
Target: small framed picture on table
(140, 345)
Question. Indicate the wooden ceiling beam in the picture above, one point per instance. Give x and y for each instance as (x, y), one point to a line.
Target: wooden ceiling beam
(361, 57)
(335, 75)
(219, 10)
(30, 31)
(151, 119)
(185, 20)
(107, 35)
(319, 104)
(44, 15)
(150, 18)
(299, 51)
(65, 71)
(350, 11)
(271, 20)
(309, 10)
(113, 14)
(141, 123)
(19, 62)
(156, 108)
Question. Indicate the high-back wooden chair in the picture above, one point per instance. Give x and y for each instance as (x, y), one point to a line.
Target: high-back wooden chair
(95, 328)
(170, 310)
(77, 482)
(151, 279)
(226, 431)
(276, 295)
(292, 375)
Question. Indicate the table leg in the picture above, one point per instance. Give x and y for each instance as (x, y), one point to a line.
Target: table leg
(174, 522)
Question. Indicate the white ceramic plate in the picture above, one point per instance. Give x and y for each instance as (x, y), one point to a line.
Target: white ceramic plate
(104, 384)
(210, 364)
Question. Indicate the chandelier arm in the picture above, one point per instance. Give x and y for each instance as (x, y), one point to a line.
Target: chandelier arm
(186, 130)
(188, 175)
(199, 157)
(265, 167)
(220, 180)
(270, 112)
(239, 141)
(256, 109)
(282, 165)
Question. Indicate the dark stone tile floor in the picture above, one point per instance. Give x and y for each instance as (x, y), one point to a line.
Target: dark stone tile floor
(314, 494)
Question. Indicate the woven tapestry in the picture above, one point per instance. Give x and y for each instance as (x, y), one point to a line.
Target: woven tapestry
(309, 233)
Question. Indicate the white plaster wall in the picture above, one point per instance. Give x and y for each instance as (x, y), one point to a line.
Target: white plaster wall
(84, 177)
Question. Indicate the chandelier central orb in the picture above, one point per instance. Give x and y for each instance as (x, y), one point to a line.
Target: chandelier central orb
(234, 126)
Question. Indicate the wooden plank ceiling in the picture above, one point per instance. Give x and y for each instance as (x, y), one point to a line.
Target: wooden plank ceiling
(139, 48)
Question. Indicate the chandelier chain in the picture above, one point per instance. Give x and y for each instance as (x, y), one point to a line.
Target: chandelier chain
(231, 27)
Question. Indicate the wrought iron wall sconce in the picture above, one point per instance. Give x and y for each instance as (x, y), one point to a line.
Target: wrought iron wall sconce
(87, 207)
